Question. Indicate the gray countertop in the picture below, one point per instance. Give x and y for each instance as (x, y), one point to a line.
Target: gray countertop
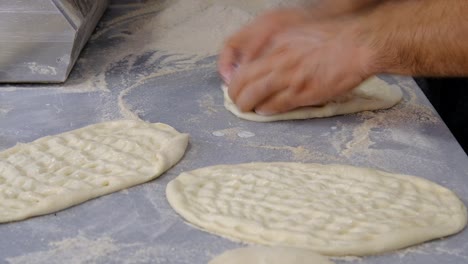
(115, 78)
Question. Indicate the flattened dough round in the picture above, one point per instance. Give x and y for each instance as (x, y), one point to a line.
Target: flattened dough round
(373, 94)
(270, 255)
(56, 172)
(330, 209)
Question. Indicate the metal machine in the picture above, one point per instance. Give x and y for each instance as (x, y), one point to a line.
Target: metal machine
(40, 40)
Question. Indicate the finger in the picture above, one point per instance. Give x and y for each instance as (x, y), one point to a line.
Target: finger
(292, 94)
(247, 74)
(291, 99)
(258, 91)
(226, 61)
(231, 53)
(276, 70)
(279, 103)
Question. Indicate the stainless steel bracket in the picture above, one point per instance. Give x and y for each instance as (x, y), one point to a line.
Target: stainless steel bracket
(40, 40)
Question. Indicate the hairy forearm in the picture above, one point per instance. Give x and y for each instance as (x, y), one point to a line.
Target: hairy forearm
(333, 8)
(419, 38)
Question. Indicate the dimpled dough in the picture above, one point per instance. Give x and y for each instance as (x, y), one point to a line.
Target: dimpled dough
(330, 209)
(373, 94)
(56, 172)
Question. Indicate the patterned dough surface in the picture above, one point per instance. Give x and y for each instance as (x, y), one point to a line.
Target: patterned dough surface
(56, 172)
(331, 209)
(373, 94)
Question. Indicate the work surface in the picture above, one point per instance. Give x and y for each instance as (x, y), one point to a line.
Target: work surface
(116, 78)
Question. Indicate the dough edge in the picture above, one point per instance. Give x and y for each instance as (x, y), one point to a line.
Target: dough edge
(171, 153)
(279, 255)
(371, 98)
(392, 241)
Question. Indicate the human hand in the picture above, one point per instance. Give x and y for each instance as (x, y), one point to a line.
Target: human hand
(305, 65)
(248, 43)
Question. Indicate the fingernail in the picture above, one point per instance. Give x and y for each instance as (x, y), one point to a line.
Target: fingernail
(226, 77)
(263, 113)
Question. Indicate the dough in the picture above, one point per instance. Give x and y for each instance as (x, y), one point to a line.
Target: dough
(266, 255)
(330, 209)
(56, 172)
(373, 94)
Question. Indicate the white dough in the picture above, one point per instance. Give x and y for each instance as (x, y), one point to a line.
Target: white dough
(373, 94)
(56, 172)
(267, 255)
(330, 209)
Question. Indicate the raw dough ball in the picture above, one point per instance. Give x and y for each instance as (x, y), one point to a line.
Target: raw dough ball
(373, 94)
(267, 255)
(330, 209)
(56, 172)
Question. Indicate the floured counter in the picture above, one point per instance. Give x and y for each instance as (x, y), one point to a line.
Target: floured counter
(122, 74)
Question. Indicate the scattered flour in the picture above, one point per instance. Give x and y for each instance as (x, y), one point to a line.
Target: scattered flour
(79, 249)
(396, 121)
(5, 109)
(245, 134)
(184, 31)
(298, 153)
(41, 69)
(83, 249)
(218, 134)
(208, 104)
(200, 26)
(188, 31)
(229, 133)
(203, 33)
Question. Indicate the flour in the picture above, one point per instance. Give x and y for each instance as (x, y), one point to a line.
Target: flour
(4, 109)
(77, 249)
(391, 123)
(41, 69)
(229, 133)
(84, 248)
(298, 153)
(200, 26)
(245, 134)
(183, 31)
(208, 104)
(133, 49)
(201, 33)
